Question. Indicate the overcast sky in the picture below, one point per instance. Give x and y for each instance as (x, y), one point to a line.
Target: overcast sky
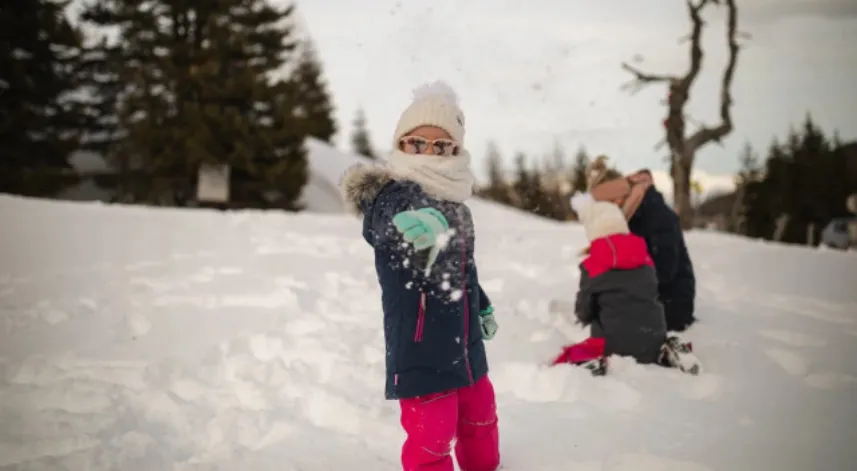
(533, 71)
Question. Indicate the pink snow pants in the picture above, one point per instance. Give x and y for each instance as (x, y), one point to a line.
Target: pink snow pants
(432, 422)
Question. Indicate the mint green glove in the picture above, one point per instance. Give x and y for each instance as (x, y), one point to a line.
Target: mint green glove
(421, 227)
(489, 325)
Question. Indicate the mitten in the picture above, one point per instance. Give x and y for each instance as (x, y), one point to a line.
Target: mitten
(488, 323)
(421, 228)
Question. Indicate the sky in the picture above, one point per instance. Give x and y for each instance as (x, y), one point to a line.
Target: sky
(534, 73)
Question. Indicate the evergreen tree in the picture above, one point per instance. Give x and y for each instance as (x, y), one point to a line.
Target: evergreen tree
(750, 170)
(805, 184)
(554, 179)
(39, 120)
(581, 161)
(557, 160)
(193, 84)
(498, 187)
(746, 183)
(764, 200)
(360, 142)
(809, 205)
(526, 186)
(316, 102)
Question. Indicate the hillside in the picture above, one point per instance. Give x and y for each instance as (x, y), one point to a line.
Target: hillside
(142, 339)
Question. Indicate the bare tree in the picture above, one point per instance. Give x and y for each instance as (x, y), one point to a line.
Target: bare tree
(683, 145)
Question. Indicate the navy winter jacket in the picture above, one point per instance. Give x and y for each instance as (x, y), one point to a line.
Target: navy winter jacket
(431, 322)
(659, 226)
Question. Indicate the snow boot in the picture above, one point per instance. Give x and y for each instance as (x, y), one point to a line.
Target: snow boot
(598, 366)
(677, 353)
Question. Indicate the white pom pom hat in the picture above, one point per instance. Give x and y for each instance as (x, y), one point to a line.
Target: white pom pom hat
(434, 104)
(599, 218)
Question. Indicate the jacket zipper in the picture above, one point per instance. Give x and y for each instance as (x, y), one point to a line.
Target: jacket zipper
(421, 319)
(466, 339)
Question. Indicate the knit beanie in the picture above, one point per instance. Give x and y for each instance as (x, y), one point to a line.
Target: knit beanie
(434, 104)
(599, 218)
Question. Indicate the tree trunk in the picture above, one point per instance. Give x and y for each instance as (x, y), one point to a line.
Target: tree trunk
(681, 191)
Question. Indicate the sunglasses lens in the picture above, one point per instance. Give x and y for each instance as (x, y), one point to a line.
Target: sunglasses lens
(445, 148)
(419, 145)
(415, 145)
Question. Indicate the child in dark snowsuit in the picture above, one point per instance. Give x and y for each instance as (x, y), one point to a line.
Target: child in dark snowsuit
(618, 294)
(652, 219)
(435, 313)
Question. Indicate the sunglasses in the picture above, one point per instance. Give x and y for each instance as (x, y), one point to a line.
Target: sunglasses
(420, 145)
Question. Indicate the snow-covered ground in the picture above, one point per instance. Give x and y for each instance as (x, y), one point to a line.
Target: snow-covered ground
(137, 339)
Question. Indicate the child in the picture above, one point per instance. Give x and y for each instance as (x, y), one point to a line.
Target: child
(435, 313)
(618, 294)
(650, 218)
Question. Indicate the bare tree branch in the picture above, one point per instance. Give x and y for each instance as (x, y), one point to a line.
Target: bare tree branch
(715, 134)
(695, 43)
(683, 148)
(642, 79)
(646, 77)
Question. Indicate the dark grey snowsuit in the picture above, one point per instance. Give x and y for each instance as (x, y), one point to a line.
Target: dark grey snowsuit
(618, 297)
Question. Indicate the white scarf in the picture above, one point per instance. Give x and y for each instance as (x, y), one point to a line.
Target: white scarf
(441, 177)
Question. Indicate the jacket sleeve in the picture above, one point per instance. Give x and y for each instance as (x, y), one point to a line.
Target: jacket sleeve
(378, 225)
(585, 306)
(664, 244)
(382, 234)
(484, 300)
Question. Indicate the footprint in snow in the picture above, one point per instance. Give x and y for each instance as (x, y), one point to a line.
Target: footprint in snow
(794, 339)
(798, 366)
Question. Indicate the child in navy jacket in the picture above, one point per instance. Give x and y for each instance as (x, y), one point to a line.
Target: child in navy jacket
(436, 315)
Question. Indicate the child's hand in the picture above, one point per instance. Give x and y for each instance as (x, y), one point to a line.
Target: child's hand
(421, 227)
(488, 323)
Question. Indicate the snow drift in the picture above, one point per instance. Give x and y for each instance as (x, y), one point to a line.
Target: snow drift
(154, 339)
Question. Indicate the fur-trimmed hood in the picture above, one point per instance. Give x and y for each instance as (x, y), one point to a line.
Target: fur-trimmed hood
(361, 184)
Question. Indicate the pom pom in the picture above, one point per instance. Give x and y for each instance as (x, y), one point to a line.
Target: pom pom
(439, 89)
(579, 201)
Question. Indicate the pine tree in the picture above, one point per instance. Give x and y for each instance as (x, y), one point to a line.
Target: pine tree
(746, 194)
(496, 172)
(555, 183)
(581, 161)
(526, 185)
(360, 142)
(316, 102)
(498, 187)
(750, 170)
(764, 201)
(39, 120)
(818, 184)
(193, 83)
(804, 185)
